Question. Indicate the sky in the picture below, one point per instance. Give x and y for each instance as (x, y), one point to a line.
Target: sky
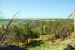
(36, 8)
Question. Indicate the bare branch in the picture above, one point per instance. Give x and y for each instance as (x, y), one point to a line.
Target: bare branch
(7, 28)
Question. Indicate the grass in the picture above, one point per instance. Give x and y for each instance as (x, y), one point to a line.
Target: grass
(47, 45)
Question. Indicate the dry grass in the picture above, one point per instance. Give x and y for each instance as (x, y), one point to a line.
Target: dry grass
(58, 45)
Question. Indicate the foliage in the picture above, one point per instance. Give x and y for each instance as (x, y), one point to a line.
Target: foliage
(24, 31)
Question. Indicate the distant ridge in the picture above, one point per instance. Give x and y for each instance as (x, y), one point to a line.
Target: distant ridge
(37, 18)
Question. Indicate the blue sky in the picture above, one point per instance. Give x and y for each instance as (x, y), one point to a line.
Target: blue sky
(36, 8)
